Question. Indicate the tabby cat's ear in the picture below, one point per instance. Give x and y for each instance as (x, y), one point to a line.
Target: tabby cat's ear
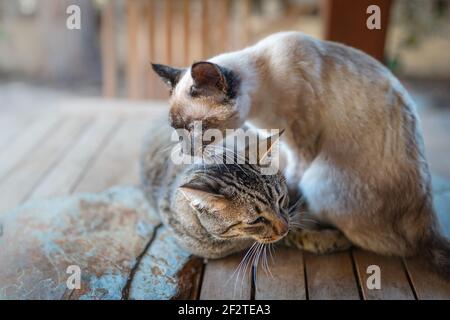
(201, 199)
(208, 76)
(169, 75)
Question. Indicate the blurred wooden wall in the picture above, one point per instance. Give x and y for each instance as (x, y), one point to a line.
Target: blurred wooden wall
(345, 22)
(179, 32)
(174, 32)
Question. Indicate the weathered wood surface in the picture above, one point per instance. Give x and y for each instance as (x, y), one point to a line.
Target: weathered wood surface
(66, 175)
(428, 285)
(158, 274)
(29, 139)
(103, 234)
(331, 277)
(106, 234)
(285, 278)
(18, 185)
(222, 279)
(394, 283)
(114, 238)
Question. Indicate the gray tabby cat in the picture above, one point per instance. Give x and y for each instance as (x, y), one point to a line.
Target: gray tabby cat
(352, 135)
(213, 210)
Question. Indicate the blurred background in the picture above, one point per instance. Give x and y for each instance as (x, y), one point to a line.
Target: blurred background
(42, 62)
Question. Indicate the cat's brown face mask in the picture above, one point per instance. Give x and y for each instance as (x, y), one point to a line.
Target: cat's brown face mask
(204, 92)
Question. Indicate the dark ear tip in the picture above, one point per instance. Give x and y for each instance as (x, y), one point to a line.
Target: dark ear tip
(156, 66)
(203, 63)
(197, 63)
(281, 132)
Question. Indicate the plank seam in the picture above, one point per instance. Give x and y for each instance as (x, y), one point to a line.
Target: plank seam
(410, 280)
(356, 275)
(305, 275)
(200, 281)
(253, 282)
(127, 286)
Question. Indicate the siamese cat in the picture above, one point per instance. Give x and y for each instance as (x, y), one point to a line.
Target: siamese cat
(352, 135)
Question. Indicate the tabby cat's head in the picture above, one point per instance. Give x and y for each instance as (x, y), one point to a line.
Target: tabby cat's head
(204, 92)
(238, 202)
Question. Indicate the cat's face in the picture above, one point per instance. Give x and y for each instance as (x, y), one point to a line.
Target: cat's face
(204, 92)
(237, 202)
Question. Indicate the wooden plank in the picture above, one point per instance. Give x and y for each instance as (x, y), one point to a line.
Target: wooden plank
(119, 161)
(151, 29)
(108, 50)
(288, 281)
(18, 185)
(331, 277)
(168, 30)
(245, 22)
(165, 271)
(205, 29)
(64, 177)
(12, 126)
(102, 233)
(186, 31)
(353, 31)
(428, 285)
(223, 25)
(221, 281)
(394, 280)
(132, 49)
(28, 140)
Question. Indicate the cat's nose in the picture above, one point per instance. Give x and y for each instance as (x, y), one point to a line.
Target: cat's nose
(281, 228)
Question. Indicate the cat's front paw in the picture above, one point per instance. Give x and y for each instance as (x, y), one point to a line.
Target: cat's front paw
(318, 241)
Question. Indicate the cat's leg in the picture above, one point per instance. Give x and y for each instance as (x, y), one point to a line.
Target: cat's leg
(314, 235)
(319, 241)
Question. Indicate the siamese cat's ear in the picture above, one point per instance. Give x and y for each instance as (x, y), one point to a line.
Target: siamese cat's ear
(208, 76)
(169, 75)
(201, 198)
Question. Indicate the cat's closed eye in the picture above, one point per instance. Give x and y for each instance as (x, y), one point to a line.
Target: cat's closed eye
(258, 220)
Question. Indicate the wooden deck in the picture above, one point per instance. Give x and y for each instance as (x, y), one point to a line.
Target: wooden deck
(84, 146)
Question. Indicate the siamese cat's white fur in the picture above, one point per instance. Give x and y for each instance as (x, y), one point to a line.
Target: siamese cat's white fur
(353, 139)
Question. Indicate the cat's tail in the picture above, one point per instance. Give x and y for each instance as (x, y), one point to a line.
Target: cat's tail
(437, 252)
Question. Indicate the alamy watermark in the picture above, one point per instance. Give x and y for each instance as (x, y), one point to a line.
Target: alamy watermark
(373, 22)
(73, 21)
(73, 282)
(373, 281)
(234, 146)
